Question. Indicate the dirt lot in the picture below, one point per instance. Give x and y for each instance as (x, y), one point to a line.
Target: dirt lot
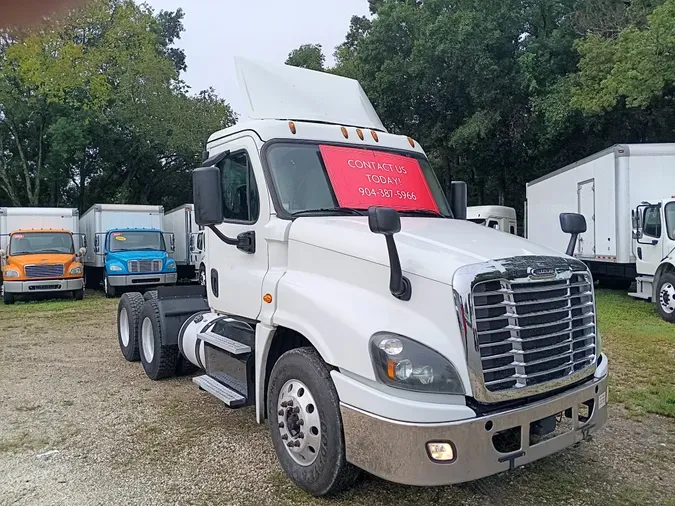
(79, 425)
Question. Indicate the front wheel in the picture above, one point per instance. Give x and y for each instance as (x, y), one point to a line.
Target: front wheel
(109, 290)
(8, 298)
(78, 294)
(306, 425)
(665, 297)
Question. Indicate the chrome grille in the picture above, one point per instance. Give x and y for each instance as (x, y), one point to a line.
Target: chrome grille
(44, 271)
(530, 332)
(136, 266)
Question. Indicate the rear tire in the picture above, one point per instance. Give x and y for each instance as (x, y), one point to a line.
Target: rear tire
(327, 471)
(150, 294)
(109, 290)
(159, 361)
(665, 297)
(128, 315)
(8, 298)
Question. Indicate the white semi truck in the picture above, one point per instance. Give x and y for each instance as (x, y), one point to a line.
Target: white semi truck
(370, 325)
(627, 195)
(189, 237)
(498, 217)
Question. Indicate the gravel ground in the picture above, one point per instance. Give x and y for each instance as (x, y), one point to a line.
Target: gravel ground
(80, 425)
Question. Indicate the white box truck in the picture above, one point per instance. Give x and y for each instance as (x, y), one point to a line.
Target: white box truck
(41, 252)
(128, 247)
(369, 324)
(627, 195)
(189, 239)
(498, 217)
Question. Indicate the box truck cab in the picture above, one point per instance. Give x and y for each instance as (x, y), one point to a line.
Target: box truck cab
(498, 217)
(369, 324)
(654, 250)
(130, 247)
(37, 259)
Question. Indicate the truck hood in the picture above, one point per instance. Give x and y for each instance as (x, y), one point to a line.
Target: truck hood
(42, 258)
(433, 248)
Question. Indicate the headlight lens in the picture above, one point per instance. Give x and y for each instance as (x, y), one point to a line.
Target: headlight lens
(115, 268)
(171, 265)
(75, 270)
(11, 273)
(403, 363)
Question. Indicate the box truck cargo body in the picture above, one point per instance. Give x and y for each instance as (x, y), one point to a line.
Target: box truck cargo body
(128, 247)
(189, 240)
(40, 251)
(625, 193)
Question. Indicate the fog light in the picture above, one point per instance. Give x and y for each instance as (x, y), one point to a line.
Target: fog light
(441, 452)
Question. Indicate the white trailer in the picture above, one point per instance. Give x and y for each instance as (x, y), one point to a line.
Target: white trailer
(189, 238)
(498, 217)
(626, 193)
(39, 218)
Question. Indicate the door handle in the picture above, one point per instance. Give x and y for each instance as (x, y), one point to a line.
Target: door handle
(639, 252)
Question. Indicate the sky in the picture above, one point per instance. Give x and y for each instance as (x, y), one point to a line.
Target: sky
(265, 30)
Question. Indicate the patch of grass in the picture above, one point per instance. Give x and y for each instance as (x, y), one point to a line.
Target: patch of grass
(61, 309)
(641, 350)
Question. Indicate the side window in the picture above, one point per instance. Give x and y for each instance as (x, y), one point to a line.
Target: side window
(493, 224)
(652, 222)
(512, 230)
(240, 192)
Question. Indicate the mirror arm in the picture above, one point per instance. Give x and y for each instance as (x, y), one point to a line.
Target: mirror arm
(571, 245)
(244, 241)
(399, 285)
(223, 237)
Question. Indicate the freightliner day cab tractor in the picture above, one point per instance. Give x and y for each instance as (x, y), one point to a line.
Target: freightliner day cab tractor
(370, 325)
(41, 252)
(497, 217)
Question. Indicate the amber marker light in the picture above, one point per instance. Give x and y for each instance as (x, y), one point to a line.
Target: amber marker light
(267, 298)
(359, 132)
(291, 125)
(411, 141)
(375, 137)
(345, 133)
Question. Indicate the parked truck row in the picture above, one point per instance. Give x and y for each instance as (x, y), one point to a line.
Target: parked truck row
(113, 246)
(353, 305)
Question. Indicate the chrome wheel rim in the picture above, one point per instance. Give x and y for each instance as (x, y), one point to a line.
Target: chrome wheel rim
(148, 339)
(299, 422)
(124, 327)
(667, 297)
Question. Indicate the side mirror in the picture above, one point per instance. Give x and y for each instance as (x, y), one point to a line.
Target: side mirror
(574, 224)
(458, 199)
(386, 221)
(3, 254)
(83, 251)
(207, 194)
(172, 243)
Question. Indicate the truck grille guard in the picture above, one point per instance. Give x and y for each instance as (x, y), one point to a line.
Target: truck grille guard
(528, 324)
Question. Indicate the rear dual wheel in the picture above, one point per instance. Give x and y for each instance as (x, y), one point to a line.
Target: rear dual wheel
(159, 360)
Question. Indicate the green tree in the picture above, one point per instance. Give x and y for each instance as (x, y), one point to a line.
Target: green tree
(308, 56)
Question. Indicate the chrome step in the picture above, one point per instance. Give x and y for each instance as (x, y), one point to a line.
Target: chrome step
(224, 343)
(222, 392)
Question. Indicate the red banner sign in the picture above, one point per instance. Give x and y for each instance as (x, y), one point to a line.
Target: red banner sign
(362, 178)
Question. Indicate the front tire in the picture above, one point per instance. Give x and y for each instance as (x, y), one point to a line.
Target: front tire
(109, 290)
(128, 315)
(8, 298)
(78, 294)
(311, 452)
(665, 297)
(159, 361)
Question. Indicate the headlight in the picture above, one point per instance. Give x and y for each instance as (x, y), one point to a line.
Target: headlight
(11, 273)
(115, 268)
(75, 270)
(171, 265)
(403, 363)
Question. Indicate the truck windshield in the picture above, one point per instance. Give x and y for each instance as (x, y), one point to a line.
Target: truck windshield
(32, 243)
(137, 240)
(325, 179)
(670, 219)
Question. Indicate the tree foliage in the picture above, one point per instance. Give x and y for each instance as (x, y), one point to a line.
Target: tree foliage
(500, 92)
(92, 108)
(308, 56)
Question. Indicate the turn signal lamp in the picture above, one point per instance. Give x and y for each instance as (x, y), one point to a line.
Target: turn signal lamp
(267, 298)
(441, 452)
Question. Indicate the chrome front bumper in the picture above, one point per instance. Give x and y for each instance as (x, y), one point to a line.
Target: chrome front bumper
(144, 279)
(44, 285)
(396, 451)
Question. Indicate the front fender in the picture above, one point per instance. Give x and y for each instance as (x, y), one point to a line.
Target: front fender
(339, 316)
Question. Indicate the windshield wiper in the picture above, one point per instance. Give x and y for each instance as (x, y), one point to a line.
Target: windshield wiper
(331, 210)
(423, 212)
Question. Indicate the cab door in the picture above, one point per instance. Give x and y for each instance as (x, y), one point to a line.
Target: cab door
(234, 278)
(649, 242)
(586, 204)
